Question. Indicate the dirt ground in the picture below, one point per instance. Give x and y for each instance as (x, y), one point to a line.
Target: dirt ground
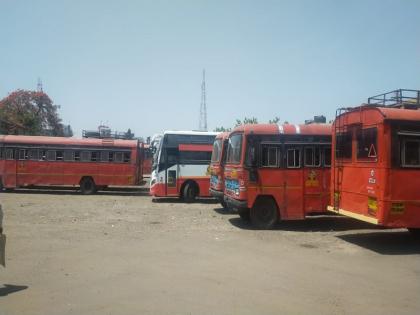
(121, 253)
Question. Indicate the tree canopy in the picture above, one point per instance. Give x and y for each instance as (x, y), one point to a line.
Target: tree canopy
(29, 113)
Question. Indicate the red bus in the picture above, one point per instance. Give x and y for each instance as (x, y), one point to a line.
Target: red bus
(217, 166)
(376, 166)
(147, 160)
(181, 165)
(275, 172)
(90, 163)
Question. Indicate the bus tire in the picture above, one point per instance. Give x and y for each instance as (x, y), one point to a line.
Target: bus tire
(415, 232)
(244, 214)
(190, 191)
(87, 186)
(264, 213)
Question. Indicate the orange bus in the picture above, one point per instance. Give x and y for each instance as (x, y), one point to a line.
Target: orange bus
(277, 172)
(90, 163)
(217, 164)
(376, 166)
(147, 158)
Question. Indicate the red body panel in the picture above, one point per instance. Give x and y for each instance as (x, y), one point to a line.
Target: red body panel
(20, 173)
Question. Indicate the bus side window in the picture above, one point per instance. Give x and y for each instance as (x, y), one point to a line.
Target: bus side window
(312, 156)
(327, 157)
(10, 154)
(293, 158)
(51, 155)
(118, 157)
(127, 157)
(1, 153)
(68, 155)
(33, 154)
(22, 154)
(77, 155)
(104, 156)
(59, 155)
(94, 156)
(410, 153)
(111, 156)
(85, 156)
(366, 143)
(270, 156)
(343, 145)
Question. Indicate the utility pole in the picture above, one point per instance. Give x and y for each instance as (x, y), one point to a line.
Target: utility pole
(39, 86)
(203, 107)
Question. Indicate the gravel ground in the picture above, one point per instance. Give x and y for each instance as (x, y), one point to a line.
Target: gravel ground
(121, 253)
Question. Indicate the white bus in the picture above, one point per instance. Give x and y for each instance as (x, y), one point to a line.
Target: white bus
(181, 165)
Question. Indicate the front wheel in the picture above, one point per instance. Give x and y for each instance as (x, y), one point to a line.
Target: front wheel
(189, 192)
(87, 186)
(244, 214)
(264, 214)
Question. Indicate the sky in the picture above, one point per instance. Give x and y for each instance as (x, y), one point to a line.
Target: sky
(138, 64)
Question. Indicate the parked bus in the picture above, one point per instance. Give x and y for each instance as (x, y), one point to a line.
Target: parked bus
(91, 164)
(376, 166)
(181, 165)
(147, 159)
(275, 172)
(217, 165)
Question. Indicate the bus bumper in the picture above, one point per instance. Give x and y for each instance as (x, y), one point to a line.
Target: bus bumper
(234, 203)
(216, 193)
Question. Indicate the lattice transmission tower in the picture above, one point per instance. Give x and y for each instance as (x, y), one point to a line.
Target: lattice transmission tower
(203, 107)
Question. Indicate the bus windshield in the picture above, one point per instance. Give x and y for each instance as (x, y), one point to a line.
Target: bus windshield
(217, 150)
(234, 149)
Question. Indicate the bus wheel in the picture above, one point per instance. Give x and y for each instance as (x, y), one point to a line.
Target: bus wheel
(189, 193)
(264, 214)
(87, 186)
(224, 205)
(244, 214)
(414, 232)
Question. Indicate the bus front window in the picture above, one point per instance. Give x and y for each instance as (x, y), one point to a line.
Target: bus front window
(217, 149)
(234, 149)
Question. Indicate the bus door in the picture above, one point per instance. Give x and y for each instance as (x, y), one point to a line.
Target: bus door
(172, 171)
(313, 180)
(293, 183)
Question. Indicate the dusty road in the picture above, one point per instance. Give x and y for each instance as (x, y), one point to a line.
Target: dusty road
(123, 254)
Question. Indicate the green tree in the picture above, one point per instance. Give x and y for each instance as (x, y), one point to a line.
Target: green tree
(275, 120)
(222, 129)
(246, 121)
(29, 113)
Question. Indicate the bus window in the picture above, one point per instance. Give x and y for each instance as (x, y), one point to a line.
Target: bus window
(312, 156)
(77, 155)
(366, 143)
(33, 154)
(293, 158)
(50, 155)
(105, 156)
(68, 155)
(269, 156)
(22, 154)
(85, 156)
(118, 157)
(127, 157)
(10, 154)
(327, 157)
(111, 156)
(193, 156)
(94, 156)
(217, 149)
(59, 155)
(234, 149)
(343, 145)
(410, 153)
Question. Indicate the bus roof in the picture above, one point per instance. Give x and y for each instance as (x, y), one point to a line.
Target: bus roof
(223, 135)
(191, 132)
(370, 114)
(287, 129)
(66, 141)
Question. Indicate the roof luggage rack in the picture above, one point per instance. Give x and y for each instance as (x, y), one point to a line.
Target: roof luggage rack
(402, 98)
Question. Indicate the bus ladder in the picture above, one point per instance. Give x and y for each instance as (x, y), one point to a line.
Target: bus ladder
(338, 164)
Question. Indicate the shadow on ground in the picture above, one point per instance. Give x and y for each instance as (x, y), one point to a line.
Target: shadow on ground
(222, 210)
(179, 200)
(10, 288)
(117, 191)
(322, 223)
(389, 242)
